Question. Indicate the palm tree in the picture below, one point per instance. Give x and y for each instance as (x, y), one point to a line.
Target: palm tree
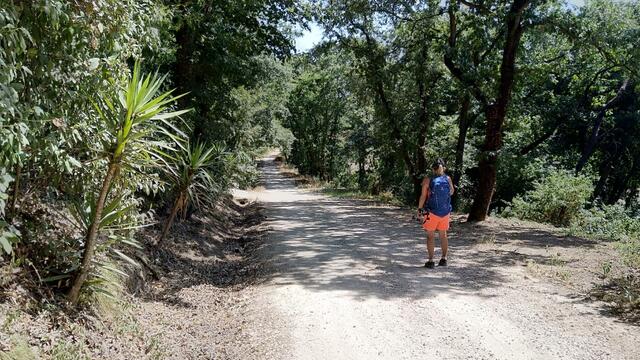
(140, 114)
(192, 179)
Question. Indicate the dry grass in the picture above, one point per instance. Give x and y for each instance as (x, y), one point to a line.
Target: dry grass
(43, 327)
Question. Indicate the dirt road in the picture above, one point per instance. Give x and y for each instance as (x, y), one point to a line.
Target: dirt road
(348, 283)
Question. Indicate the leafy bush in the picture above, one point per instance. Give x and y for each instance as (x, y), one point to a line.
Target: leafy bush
(8, 234)
(611, 222)
(191, 178)
(607, 222)
(557, 199)
(560, 199)
(133, 127)
(630, 249)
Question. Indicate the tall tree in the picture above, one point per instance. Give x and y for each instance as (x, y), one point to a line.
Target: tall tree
(217, 44)
(401, 67)
(495, 102)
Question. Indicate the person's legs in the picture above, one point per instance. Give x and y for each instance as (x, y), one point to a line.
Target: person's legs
(431, 244)
(444, 242)
(430, 226)
(442, 228)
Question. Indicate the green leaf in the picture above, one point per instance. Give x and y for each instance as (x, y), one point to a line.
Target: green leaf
(132, 242)
(115, 270)
(125, 257)
(6, 245)
(170, 115)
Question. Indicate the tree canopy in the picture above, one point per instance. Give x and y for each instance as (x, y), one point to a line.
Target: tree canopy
(506, 92)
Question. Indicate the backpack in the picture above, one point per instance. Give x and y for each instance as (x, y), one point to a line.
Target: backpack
(439, 202)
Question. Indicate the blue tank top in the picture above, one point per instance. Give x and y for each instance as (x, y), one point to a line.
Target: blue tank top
(439, 202)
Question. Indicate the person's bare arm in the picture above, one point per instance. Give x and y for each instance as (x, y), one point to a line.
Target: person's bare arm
(451, 189)
(425, 193)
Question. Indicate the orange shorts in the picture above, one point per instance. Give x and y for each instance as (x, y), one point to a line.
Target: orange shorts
(434, 222)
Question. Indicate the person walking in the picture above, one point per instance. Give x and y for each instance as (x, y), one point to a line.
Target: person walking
(434, 209)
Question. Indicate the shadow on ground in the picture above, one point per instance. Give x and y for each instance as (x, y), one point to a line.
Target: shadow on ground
(329, 244)
(218, 249)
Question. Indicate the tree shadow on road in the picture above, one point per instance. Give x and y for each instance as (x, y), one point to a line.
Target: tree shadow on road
(370, 251)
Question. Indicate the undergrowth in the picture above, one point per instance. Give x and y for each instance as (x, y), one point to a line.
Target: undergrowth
(335, 190)
(563, 199)
(69, 335)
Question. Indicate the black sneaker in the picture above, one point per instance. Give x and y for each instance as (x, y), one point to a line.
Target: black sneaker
(429, 264)
(443, 262)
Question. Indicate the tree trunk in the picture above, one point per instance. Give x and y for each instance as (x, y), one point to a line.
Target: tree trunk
(395, 131)
(16, 191)
(182, 74)
(378, 86)
(487, 165)
(424, 124)
(604, 171)
(620, 185)
(172, 216)
(325, 130)
(590, 146)
(495, 114)
(631, 198)
(361, 170)
(333, 138)
(423, 127)
(464, 122)
(184, 79)
(92, 234)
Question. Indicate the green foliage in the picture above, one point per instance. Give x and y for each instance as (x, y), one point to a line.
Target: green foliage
(556, 199)
(195, 165)
(630, 249)
(611, 223)
(132, 142)
(55, 56)
(70, 350)
(108, 288)
(223, 47)
(607, 222)
(140, 119)
(191, 174)
(407, 69)
(84, 151)
(258, 115)
(317, 107)
(560, 199)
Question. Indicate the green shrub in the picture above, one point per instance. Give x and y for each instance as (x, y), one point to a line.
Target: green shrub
(557, 199)
(630, 249)
(607, 222)
(611, 222)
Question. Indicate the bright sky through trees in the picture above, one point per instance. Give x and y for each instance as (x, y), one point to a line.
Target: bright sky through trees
(309, 38)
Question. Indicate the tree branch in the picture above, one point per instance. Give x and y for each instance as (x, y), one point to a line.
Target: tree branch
(481, 8)
(595, 137)
(537, 142)
(455, 70)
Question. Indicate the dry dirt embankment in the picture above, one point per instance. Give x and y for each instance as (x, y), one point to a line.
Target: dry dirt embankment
(199, 306)
(188, 300)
